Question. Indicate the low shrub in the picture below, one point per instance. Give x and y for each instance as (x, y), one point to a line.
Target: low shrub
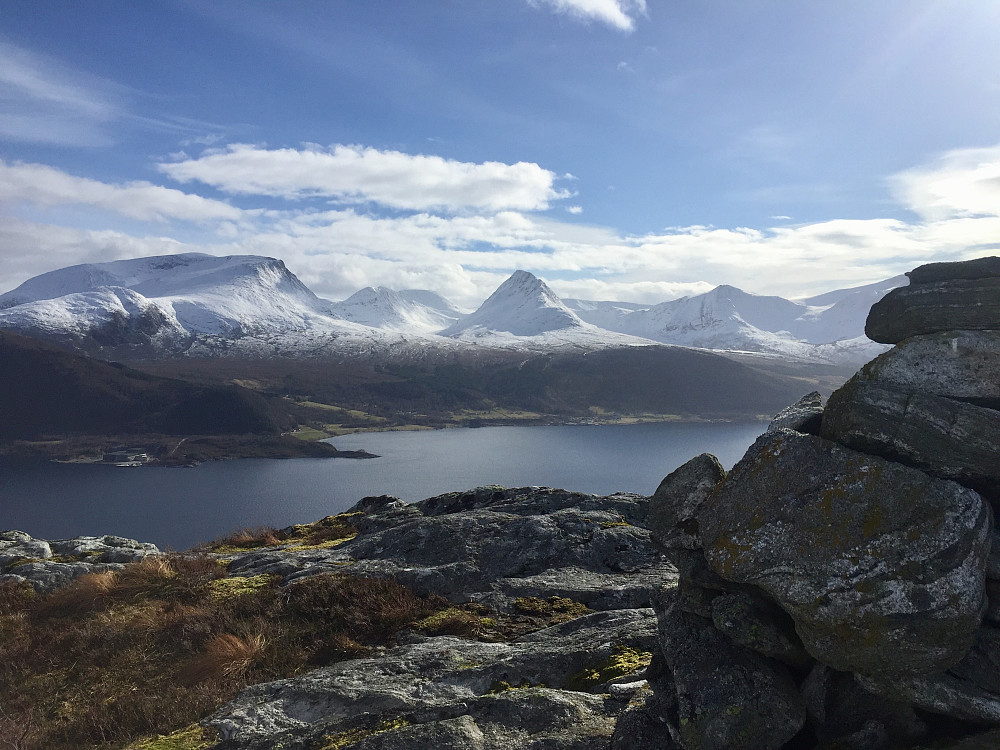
(118, 658)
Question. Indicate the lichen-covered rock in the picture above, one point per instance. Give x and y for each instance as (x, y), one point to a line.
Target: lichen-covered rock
(494, 542)
(27, 549)
(879, 565)
(729, 698)
(805, 415)
(757, 624)
(511, 693)
(963, 365)
(673, 507)
(935, 306)
(51, 564)
(944, 437)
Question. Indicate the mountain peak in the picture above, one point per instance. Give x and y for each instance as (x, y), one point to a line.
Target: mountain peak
(523, 305)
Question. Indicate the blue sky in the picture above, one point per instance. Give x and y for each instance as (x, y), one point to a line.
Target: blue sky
(620, 149)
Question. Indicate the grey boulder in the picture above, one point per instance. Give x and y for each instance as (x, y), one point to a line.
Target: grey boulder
(805, 415)
(729, 698)
(944, 437)
(962, 365)
(673, 508)
(879, 565)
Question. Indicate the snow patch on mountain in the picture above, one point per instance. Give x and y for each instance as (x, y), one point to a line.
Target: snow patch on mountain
(383, 308)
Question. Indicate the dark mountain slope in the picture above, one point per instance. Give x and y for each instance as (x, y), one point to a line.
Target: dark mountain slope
(632, 380)
(47, 391)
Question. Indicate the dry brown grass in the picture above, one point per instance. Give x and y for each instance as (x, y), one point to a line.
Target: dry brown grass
(224, 656)
(249, 538)
(90, 592)
(116, 657)
(331, 528)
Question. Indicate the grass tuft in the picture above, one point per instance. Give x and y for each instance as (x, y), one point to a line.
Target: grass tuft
(224, 656)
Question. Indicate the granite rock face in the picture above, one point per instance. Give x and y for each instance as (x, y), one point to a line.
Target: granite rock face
(492, 545)
(449, 693)
(880, 566)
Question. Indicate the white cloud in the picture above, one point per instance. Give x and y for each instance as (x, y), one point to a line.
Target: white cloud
(964, 182)
(354, 174)
(574, 209)
(619, 14)
(28, 249)
(42, 185)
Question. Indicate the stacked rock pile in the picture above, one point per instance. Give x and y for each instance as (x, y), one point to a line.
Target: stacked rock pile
(837, 589)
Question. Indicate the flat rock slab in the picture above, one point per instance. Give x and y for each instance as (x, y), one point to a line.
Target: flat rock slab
(944, 437)
(977, 268)
(963, 365)
(879, 565)
(444, 679)
(933, 307)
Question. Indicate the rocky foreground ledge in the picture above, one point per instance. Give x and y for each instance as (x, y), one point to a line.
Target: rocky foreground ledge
(839, 589)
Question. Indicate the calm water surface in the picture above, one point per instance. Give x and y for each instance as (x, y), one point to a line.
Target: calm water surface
(181, 507)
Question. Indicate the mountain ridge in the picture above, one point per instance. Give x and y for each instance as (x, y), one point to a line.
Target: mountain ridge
(252, 306)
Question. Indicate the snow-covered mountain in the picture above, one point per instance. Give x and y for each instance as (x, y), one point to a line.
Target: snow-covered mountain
(171, 303)
(193, 293)
(254, 306)
(524, 311)
(829, 327)
(411, 310)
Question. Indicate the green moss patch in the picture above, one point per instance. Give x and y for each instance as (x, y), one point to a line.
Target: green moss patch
(194, 737)
(352, 736)
(555, 609)
(624, 661)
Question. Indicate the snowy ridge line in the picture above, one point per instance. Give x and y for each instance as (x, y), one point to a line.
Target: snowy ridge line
(254, 306)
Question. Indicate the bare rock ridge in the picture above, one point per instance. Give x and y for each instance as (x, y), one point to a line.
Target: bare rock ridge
(838, 587)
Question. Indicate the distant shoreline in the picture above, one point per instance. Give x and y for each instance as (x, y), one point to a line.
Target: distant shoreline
(171, 451)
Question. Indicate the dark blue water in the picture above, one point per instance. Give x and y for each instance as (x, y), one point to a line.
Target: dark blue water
(181, 507)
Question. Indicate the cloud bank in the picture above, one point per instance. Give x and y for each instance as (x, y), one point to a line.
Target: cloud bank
(355, 174)
(472, 231)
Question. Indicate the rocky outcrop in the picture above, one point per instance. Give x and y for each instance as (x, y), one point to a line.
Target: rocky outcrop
(843, 568)
(880, 565)
(48, 565)
(448, 692)
(492, 545)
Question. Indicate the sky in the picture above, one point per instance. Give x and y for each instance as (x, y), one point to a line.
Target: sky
(635, 150)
